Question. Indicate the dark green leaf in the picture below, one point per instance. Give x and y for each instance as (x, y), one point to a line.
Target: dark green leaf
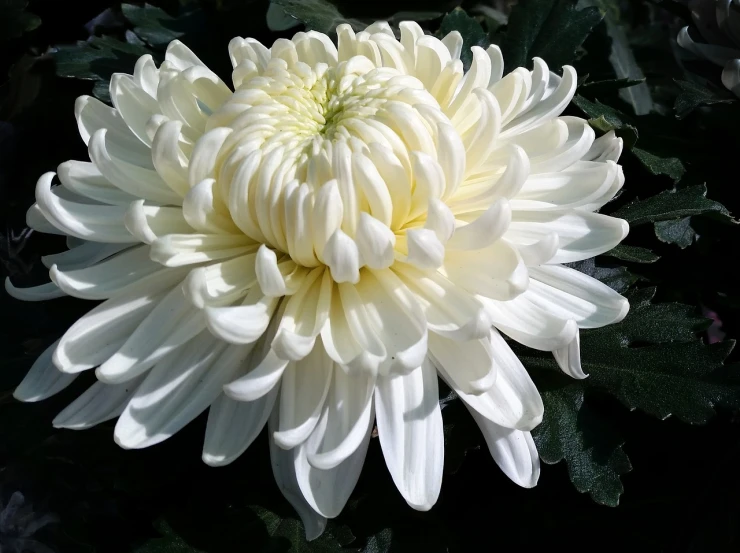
(678, 232)
(292, 530)
(653, 361)
(617, 278)
(550, 29)
(693, 95)
(96, 60)
(591, 448)
(471, 31)
(650, 361)
(669, 166)
(15, 20)
(623, 60)
(380, 542)
(595, 88)
(634, 254)
(154, 25)
(170, 542)
(317, 15)
(606, 118)
(417, 16)
(672, 204)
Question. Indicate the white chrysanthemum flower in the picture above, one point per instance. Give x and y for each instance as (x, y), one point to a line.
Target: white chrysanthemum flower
(317, 246)
(718, 22)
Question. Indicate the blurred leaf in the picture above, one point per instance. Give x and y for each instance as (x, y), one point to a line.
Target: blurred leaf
(96, 60)
(550, 29)
(15, 20)
(678, 232)
(634, 254)
(591, 448)
(170, 542)
(672, 204)
(693, 96)
(317, 15)
(623, 60)
(670, 166)
(157, 27)
(292, 530)
(471, 31)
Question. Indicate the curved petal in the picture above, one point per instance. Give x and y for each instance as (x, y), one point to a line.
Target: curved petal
(410, 432)
(43, 379)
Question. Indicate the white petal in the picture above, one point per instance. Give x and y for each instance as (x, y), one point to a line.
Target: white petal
(283, 469)
(410, 431)
(242, 324)
(513, 401)
(342, 257)
(43, 379)
(581, 234)
(327, 491)
(99, 403)
(104, 279)
(305, 385)
(178, 389)
(260, 380)
(568, 358)
(570, 294)
(513, 450)
(483, 230)
(469, 365)
(42, 292)
(233, 426)
(172, 323)
(344, 421)
(101, 332)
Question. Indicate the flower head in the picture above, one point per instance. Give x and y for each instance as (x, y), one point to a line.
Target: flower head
(317, 246)
(718, 22)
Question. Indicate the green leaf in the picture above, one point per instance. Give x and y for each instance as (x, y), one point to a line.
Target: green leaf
(170, 542)
(15, 20)
(678, 232)
(669, 166)
(595, 88)
(591, 448)
(617, 278)
(97, 60)
(380, 542)
(672, 204)
(635, 254)
(550, 29)
(471, 31)
(651, 361)
(154, 25)
(606, 118)
(693, 95)
(290, 529)
(317, 15)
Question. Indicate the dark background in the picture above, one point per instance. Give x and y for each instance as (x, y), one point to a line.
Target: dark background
(682, 495)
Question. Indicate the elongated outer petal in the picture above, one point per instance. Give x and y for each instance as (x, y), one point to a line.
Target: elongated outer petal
(283, 469)
(42, 292)
(170, 324)
(99, 403)
(304, 387)
(101, 332)
(43, 380)
(341, 428)
(513, 450)
(568, 358)
(513, 401)
(233, 426)
(178, 389)
(327, 491)
(410, 431)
